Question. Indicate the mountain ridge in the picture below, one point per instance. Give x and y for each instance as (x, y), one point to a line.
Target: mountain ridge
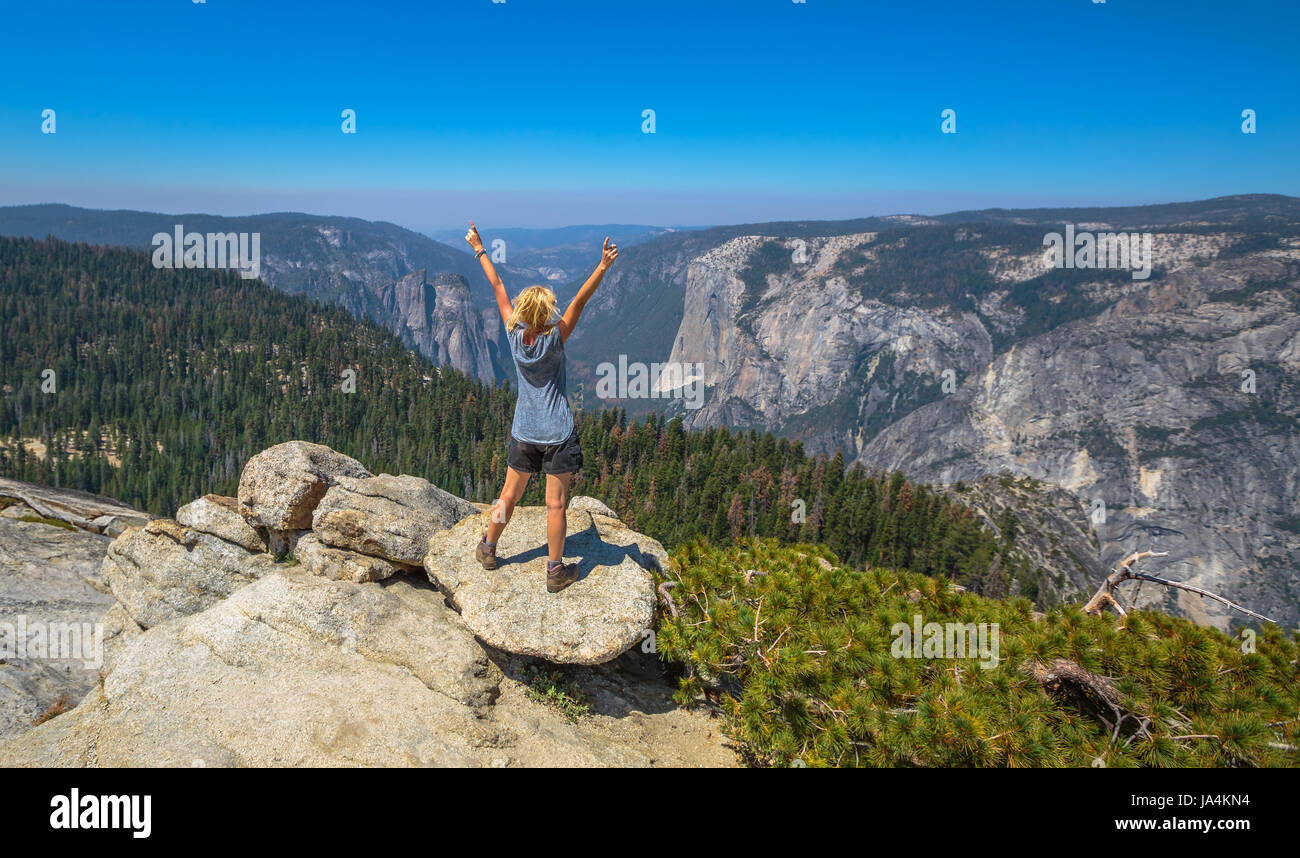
(348, 261)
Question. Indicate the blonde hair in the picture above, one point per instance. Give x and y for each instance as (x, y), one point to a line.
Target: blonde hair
(535, 309)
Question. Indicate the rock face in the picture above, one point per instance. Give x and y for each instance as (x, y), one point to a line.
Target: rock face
(438, 319)
(812, 358)
(1171, 414)
(216, 655)
(605, 612)
(282, 484)
(386, 516)
(163, 570)
(223, 517)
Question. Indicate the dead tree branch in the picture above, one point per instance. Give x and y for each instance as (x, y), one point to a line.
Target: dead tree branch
(1106, 595)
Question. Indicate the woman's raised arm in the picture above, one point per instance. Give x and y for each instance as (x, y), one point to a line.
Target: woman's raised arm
(607, 256)
(503, 300)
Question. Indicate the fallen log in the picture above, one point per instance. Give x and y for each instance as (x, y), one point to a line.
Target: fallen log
(1089, 693)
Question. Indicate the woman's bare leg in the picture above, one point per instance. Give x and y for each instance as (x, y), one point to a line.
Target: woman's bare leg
(516, 482)
(557, 503)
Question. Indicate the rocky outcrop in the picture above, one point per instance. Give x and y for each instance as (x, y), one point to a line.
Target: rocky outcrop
(295, 670)
(282, 484)
(386, 516)
(216, 655)
(609, 608)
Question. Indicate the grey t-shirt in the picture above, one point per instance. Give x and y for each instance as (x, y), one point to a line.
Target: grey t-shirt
(542, 414)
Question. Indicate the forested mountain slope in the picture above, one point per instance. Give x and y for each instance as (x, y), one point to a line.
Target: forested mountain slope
(429, 294)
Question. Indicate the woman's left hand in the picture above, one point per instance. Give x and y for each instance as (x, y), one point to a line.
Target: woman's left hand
(608, 254)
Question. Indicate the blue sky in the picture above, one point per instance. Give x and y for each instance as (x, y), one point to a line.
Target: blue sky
(529, 113)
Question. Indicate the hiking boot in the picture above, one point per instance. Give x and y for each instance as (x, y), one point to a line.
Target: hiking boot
(486, 555)
(560, 577)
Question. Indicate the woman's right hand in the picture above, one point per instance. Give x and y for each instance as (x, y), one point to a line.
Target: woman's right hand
(473, 238)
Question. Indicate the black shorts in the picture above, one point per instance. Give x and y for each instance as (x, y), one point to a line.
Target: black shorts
(562, 458)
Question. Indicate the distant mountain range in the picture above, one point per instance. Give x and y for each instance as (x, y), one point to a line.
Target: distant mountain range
(643, 300)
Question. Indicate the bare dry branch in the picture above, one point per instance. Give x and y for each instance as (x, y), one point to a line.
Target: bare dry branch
(1206, 593)
(1106, 593)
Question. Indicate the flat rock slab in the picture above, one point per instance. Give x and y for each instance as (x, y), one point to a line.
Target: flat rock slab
(49, 578)
(596, 619)
(81, 509)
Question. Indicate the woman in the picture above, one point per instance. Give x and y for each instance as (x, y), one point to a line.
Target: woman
(543, 436)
